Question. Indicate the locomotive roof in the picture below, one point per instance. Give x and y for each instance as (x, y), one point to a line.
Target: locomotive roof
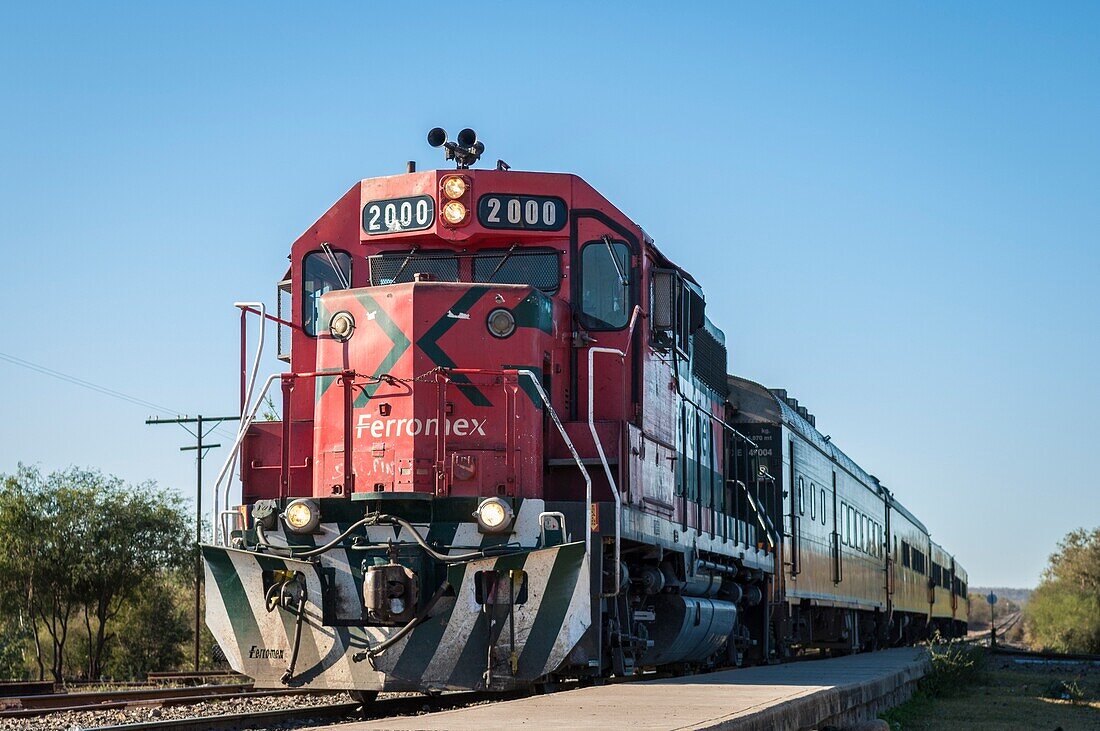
(756, 403)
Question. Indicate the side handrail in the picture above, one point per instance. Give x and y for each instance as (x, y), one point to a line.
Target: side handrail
(561, 430)
(246, 398)
(603, 457)
(231, 458)
(576, 458)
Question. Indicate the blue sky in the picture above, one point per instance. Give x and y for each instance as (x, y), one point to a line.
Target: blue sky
(895, 210)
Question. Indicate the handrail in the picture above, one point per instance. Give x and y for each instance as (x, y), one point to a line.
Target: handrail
(246, 422)
(246, 397)
(603, 458)
(576, 458)
(561, 430)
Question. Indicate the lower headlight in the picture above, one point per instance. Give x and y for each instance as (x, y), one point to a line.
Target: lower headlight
(494, 515)
(302, 516)
(454, 213)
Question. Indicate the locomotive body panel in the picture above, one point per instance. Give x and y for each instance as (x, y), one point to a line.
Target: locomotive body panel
(510, 451)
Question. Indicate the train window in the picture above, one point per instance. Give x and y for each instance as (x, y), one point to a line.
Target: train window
(906, 552)
(398, 267)
(851, 526)
(319, 276)
(605, 285)
(823, 506)
(862, 543)
(813, 511)
(801, 497)
(540, 268)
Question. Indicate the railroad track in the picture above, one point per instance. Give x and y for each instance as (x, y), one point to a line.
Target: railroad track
(1002, 628)
(264, 719)
(40, 705)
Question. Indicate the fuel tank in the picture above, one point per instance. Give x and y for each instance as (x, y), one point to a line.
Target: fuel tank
(688, 629)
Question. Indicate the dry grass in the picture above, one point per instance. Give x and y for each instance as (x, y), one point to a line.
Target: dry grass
(1010, 696)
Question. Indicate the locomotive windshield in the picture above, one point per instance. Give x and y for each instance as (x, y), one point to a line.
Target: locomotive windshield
(318, 277)
(539, 268)
(605, 284)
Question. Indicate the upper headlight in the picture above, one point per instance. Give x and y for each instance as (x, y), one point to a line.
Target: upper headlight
(454, 187)
(494, 515)
(302, 516)
(501, 322)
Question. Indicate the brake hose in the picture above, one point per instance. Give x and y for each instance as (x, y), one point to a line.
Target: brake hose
(261, 537)
(289, 674)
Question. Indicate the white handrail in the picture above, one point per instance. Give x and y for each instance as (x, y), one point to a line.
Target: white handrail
(241, 427)
(246, 421)
(576, 458)
(603, 458)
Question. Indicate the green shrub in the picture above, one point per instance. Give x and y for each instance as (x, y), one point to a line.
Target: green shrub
(955, 665)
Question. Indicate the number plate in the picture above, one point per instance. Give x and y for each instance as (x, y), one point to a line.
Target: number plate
(395, 215)
(530, 212)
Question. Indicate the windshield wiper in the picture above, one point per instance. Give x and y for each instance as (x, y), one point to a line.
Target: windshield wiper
(501, 262)
(400, 269)
(615, 260)
(335, 265)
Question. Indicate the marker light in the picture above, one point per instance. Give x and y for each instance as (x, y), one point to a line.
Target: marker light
(454, 213)
(454, 187)
(302, 516)
(493, 515)
(501, 322)
(341, 326)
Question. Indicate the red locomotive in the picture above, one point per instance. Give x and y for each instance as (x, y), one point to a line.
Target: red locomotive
(510, 452)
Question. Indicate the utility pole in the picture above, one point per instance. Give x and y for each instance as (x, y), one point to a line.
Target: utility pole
(200, 449)
(992, 599)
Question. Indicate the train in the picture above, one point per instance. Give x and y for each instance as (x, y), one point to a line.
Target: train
(510, 454)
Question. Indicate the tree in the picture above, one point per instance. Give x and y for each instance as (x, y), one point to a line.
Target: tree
(152, 628)
(80, 543)
(139, 533)
(43, 522)
(1064, 611)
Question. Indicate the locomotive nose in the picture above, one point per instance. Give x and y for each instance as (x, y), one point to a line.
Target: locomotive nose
(439, 405)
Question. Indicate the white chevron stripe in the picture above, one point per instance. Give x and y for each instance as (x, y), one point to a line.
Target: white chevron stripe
(457, 632)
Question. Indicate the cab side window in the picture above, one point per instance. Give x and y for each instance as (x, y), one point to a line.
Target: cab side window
(319, 276)
(605, 285)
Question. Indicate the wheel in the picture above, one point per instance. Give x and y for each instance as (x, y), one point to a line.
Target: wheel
(366, 697)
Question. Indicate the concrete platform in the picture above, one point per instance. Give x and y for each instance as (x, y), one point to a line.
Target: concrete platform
(799, 695)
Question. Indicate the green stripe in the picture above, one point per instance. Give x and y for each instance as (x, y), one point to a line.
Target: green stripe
(555, 604)
(246, 631)
(428, 343)
(400, 343)
(472, 662)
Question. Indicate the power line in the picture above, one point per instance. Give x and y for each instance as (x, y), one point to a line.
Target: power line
(103, 390)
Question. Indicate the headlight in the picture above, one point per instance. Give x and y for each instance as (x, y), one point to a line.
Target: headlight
(494, 515)
(341, 326)
(454, 187)
(501, 322)
(302, 516)
(454, 213)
